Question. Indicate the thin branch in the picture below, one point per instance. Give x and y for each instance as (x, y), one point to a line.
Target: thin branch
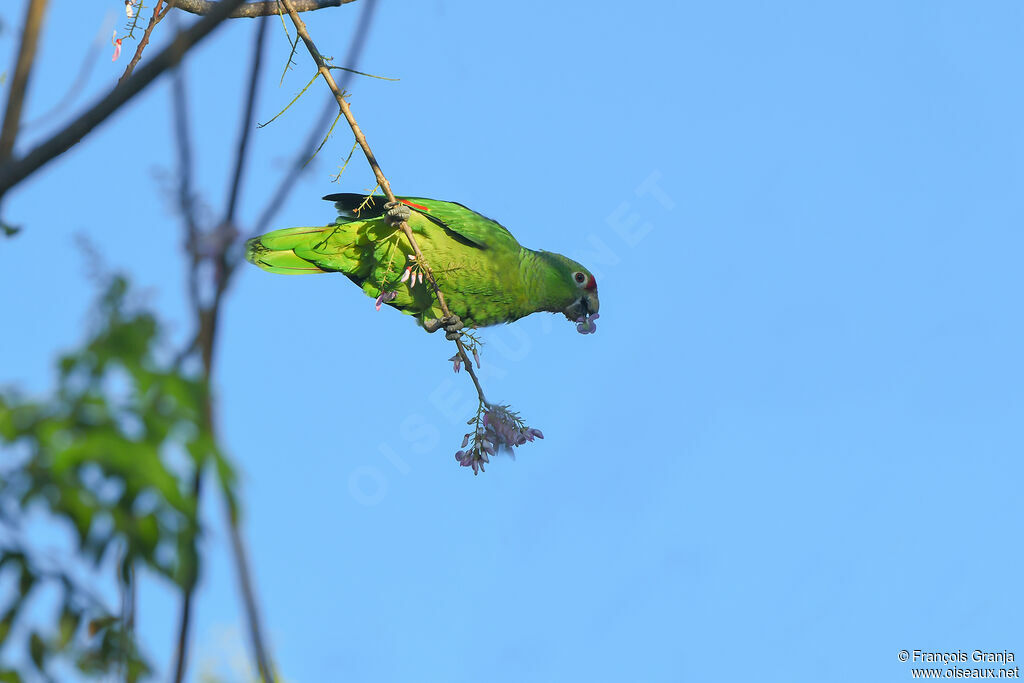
(247, 120)
(362, 73)
(86, 65)
(326, 138)
(144, 41)
(293, 44)
(245, 578)
(207, 317)
(341, 170)
(316, 132)
(14, 172)
(300, 28)
(135, 20)
(258, 9)
(223, 276)
(186, 204)
(22, 70)
(288, 106)
(186, 208)
(181, 650)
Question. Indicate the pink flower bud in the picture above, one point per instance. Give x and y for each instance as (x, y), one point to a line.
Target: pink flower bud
(383, 298)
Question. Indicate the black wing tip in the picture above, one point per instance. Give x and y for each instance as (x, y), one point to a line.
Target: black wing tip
(351, 197)
(348, 203)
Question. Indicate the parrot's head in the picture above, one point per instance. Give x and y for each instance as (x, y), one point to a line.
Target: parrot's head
(577, 287)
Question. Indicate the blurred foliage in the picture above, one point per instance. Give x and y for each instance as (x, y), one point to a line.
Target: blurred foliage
(111, 456)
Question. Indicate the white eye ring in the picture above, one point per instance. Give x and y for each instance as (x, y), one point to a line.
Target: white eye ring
(579, 277)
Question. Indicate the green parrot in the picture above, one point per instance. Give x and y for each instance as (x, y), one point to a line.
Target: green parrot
(485, 275)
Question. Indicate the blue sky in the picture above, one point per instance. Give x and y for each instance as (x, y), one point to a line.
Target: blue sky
(789, 450)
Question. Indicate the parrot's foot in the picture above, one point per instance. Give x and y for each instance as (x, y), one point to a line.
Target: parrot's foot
(451, 324)
(396, 213)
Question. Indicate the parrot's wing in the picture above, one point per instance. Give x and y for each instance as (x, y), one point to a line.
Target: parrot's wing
(478, 229)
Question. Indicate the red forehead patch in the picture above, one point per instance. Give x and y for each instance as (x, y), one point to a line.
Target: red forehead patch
(592, 284)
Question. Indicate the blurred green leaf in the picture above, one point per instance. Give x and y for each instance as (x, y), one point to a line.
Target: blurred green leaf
(95, 459)
(37, 650)
(69, 621)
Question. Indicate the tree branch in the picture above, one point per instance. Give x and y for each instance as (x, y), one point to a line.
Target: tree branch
(316, 132)
(247, 121)
(14, 172)
(153, 21)
(19, 84)
(187, 210)
(86, 65)
(258, 9)
(207, 316)
(346, 111)
(223, 274)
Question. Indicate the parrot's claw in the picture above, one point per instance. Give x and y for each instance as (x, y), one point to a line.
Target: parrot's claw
(451, 324)
(396, 213)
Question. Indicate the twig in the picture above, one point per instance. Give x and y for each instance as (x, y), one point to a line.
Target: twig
(185, 199)
(22, 70)
(247, 119)
(245, 578)
(128, 610)
(14, 172)
(223, 275)
(258, 9)
(300, 28)
(185, 206)
(326, 116)
(294, 100)
(207, 316)
(144, 41)
(86, 65)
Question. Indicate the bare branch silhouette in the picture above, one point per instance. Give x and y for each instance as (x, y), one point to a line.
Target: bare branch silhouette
(19, 84)
(158, 14)
(258, 9)
(14, 171)
(246, 126)
(207, 317)
(187, 210)
(86, 65)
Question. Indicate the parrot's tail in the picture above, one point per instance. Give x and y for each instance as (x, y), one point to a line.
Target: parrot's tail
(276, 251)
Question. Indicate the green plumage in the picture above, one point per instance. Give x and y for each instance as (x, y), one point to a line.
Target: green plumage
(485, 275)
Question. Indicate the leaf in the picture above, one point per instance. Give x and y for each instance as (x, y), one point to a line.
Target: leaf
(101, 624)
(149, 534)
(69, 621)
(37, 650)
(9, 676)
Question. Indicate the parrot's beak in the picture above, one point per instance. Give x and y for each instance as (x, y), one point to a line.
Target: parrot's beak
(587, 304)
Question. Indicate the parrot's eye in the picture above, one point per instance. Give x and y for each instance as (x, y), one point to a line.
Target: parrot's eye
(579, 277)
